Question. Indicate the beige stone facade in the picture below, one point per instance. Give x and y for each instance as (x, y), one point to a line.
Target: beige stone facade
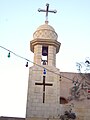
(50, 102)
(81, 106)
(43, 101)
(35, 105)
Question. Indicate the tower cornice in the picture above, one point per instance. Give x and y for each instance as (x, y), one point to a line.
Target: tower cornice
(45, 42)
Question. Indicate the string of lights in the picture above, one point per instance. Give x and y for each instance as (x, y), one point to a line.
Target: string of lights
(27, 60)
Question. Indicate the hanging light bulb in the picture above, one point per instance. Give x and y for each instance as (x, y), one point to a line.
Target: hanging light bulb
(9, 55)
(26, 64)
(44, 72)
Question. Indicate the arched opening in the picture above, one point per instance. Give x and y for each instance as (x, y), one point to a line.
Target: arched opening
(44, 55)
(63, 100)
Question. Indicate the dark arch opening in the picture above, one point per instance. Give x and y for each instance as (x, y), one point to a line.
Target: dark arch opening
(63, 100)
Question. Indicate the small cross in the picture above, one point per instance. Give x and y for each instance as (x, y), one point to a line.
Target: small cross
(44, 84)
(47, 10)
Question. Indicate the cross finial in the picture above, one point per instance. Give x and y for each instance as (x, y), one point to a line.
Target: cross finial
(47, 10)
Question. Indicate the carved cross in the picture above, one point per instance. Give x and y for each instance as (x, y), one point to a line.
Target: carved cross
(44, 85)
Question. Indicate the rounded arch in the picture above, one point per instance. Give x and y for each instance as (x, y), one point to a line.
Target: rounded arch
(63, 100)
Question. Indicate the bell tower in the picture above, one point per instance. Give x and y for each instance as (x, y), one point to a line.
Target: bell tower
(45, 45)
(43, 84)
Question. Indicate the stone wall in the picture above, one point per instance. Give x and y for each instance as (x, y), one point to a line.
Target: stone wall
(35, 105)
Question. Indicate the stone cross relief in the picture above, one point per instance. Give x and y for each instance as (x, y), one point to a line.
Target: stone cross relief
(44, 85)
(47, 11)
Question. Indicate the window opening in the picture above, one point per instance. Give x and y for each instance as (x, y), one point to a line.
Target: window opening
(63, 100)
(44, 55)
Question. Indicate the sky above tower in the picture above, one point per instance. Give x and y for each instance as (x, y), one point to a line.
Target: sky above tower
(18, 21)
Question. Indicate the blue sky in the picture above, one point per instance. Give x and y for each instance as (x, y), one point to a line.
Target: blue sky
(18, 21)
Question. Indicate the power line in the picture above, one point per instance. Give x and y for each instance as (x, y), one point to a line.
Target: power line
(33, 62)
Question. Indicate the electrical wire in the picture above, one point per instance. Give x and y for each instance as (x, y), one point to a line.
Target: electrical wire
(34, 63)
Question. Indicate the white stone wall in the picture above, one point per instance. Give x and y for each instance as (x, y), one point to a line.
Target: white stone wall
(80, 107)
(37, 54)
(35, 105)
(52, 56)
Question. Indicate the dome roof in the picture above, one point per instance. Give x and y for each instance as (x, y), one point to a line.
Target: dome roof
(45, 26)
(45, 31)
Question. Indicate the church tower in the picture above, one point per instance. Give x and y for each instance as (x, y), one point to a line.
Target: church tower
(43, 97)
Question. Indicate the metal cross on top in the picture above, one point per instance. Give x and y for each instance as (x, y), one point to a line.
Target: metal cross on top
(47, 10)
(44, 84)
